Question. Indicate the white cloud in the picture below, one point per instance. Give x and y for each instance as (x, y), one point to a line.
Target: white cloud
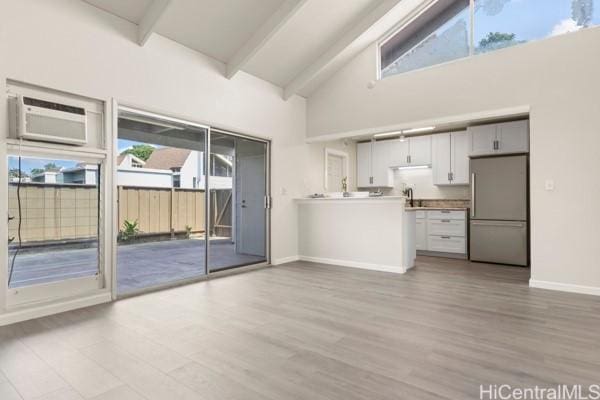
(565, 26)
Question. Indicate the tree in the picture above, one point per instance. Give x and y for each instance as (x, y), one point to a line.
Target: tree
(496, 37)
(36, 171)
(141, 151)
(14, 173)
(51, 167)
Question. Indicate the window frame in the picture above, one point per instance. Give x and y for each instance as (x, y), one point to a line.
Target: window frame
(71, 287)
(417, 13)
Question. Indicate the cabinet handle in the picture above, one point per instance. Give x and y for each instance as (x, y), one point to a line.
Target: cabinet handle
(445, 237)
(496, 144)
(445, 211)
(371, 180)
(445, 220)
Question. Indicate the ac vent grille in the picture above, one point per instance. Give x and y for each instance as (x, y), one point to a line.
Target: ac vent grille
(29, 101)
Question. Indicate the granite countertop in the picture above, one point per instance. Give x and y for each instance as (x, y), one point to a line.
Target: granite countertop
(436, 208)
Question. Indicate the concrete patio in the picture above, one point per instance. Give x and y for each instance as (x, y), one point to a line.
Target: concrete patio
(139, 266)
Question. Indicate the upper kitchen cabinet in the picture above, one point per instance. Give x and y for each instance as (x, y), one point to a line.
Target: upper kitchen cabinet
(513, 137)
(412, 151)
(373, 165)
(503, 138)
(419, 150)
(450, 158)
(363, 164)
(398, 152)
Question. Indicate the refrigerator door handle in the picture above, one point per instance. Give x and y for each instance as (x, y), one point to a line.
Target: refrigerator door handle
(473, 195)
(507, 225)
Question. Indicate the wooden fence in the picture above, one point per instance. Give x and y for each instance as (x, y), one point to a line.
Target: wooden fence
(162, 210)
(54, 212)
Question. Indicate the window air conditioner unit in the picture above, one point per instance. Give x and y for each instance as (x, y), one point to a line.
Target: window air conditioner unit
(51, 122)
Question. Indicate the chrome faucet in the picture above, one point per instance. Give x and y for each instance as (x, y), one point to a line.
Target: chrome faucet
(409, 192)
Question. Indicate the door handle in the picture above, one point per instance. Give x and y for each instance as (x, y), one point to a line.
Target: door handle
(498, 225)
(473, 195)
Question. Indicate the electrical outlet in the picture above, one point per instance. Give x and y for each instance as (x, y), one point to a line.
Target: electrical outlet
(549, 184)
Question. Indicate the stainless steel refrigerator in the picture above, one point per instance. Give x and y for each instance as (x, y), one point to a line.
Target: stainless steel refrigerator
(499, 204)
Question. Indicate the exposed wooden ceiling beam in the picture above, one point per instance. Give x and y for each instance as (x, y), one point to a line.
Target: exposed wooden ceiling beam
(262, 36)
(353, 33)
(151, 17)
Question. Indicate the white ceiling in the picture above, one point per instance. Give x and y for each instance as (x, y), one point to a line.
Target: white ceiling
(286, 42)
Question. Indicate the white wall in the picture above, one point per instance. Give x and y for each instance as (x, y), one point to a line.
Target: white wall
(557, 78)
(74, 47)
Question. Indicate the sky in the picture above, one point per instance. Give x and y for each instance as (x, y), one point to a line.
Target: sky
(29, 163)
(529, 19)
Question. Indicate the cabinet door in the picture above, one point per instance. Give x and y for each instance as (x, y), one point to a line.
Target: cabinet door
(421, 228)
(398, 153)
(481, 139)
(419, 150)
(459, 155)
(363, 164)
(513, 137)
(380, 165)
(440, 165)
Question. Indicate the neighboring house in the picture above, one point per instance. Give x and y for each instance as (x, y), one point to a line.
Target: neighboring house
(187, 168)
(46, 177)
(132, 171)
(82, 174)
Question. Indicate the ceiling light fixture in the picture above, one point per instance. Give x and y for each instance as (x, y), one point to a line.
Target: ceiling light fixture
(385, 134)
(417, 130)
(415, 167)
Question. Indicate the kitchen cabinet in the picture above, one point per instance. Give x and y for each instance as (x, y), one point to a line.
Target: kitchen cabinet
(421, 231)
(363, 164)
(419, 150)
(412, 151)
(398, 152)
(502, 138)
(442, 231)
(513, 137)
(373, 165)
(450, 160)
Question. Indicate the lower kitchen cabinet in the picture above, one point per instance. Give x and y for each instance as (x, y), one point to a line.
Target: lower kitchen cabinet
(421, 228)
(442, 232)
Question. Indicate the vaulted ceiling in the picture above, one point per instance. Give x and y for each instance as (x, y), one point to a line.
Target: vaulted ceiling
(295, 44)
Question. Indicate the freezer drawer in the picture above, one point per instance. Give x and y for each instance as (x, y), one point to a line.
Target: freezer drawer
(446, 244)
(503, 242)
(446, 227)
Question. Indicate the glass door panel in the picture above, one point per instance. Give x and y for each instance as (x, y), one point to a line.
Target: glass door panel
(237, 192)
(161, 201)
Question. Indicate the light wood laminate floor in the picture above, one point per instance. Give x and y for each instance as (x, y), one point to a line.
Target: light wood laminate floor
(310, 331)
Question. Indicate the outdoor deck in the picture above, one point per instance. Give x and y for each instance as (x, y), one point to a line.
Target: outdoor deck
(139, 265)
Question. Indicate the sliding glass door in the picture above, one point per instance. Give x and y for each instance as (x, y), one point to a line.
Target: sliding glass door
(161, 201)
(238, 201)
(172, 197)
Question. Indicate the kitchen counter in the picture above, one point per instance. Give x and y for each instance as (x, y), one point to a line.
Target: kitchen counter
(352, 199)
(370, 232)
(436, 208)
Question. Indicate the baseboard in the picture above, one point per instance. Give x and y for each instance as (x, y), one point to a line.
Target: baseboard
(285, 260)
(355, 264)
(565, 287)
(25, 314)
